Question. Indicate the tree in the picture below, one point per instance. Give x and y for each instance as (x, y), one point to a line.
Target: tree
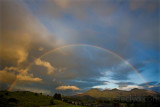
(36, 94)
(57, 96)
(52, 102)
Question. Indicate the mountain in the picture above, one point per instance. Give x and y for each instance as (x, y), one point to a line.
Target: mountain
(117, 98)
(115, 93)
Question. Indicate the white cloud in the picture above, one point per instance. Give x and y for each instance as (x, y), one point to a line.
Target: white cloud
(67, 88)
(127, 88)
(103, 87)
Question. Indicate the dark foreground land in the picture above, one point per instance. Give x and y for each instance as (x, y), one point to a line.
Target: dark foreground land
(30, 99)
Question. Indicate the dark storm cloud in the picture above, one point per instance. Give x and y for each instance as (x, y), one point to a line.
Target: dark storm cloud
(125, 83)
(56, 8)
(19, 43)
(19, 32)
(148, 5)
(119, 39)
(154, 85)
(121, 75)
(148, 83)
(156, 88)
(101, 24)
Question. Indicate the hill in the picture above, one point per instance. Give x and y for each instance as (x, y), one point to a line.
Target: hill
(29, 99)
(115, 93)
(92, 97)
(117, 98)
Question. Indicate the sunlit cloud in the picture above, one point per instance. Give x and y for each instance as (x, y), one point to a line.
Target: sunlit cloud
(41, 49)
(46, 64)
(102, 87)
(22, 56)
(67, 88)
(8, 75)
(62, 3)
(29, 78)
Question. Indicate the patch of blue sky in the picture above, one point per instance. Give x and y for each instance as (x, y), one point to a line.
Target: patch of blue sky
(136, 78)
(151, 72)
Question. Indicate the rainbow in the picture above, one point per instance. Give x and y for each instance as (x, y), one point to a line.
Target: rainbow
(76, 45)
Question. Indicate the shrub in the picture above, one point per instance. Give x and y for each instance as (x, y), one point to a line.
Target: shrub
(13, 100)
(51, 102)
(36, 94)
(57, 96)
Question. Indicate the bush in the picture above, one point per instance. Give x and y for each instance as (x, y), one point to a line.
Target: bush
(52, 102)
(36, 94)
(6, 93)
(13, 100)
(57, 96)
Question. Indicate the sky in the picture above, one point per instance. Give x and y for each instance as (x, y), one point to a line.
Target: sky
(71, 46)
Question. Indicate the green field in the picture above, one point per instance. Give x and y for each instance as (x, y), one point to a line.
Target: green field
(29, 99)
(62, 104)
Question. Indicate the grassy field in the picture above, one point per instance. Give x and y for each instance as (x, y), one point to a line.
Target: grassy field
(29, 99)
(62, 104)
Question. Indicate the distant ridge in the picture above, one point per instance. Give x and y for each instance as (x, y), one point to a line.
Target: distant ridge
(114, 93)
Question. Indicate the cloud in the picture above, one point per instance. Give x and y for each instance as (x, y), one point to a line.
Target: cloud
(29, 78)
(62, 3)
(79, 9)
(32, 89)
(45, 64)
(102, 87)
(67, 88)
(30, 28)
(20, 30)
(126, 83)
(127, 88)
(8, 75)
(154, 85)
(91, 63)
(149, 83)
(143, 4)
(41, 49)
(22, 56)
(121, 71)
